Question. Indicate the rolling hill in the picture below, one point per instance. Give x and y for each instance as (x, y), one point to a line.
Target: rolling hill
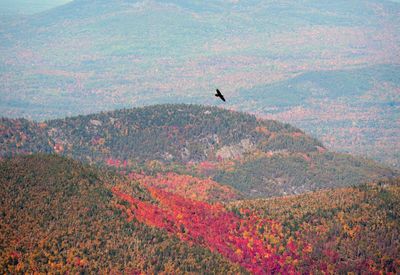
(59, 216)
(257, 157)
(349, 229)
(352, 110)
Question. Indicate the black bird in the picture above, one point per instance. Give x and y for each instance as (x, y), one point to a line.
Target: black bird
(218, 94)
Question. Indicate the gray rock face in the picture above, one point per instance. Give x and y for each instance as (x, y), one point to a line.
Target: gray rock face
(235, 151)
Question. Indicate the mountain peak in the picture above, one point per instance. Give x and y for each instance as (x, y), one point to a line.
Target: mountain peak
(255, 156)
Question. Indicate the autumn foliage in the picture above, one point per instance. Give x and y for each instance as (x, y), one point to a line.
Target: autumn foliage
(59, 216)
(323, 231)
(348, 229)
(255, 243)
(188, 186)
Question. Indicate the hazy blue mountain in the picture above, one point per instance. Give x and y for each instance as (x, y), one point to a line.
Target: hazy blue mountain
(93, 55)
(349, 84)
(357, 109)
(28, 6)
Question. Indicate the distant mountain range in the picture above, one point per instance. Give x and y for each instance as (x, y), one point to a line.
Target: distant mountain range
(353, 110)
(257, 157)
(90, 56)
(24, 7)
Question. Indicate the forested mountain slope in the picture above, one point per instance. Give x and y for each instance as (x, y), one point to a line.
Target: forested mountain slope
(59, 216)
(349, 229)
(257, 157)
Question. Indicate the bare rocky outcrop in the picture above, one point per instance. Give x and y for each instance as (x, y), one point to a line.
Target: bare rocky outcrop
(236, 150)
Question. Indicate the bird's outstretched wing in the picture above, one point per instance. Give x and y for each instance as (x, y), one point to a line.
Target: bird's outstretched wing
(218, 94)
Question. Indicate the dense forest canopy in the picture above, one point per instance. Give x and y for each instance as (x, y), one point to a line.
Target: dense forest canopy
(59, 216)
(257, 157)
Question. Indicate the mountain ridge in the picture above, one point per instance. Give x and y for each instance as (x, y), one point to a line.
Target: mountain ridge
(255, 156)
(115, 55)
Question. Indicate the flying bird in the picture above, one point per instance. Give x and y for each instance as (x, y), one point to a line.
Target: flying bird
(218, 94)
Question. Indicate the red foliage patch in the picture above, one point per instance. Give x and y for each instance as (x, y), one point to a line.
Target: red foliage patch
(188, 186)
(116, 163)
(255, 243)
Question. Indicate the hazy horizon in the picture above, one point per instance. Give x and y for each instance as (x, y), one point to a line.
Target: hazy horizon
(27, 7)
(330, 68)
